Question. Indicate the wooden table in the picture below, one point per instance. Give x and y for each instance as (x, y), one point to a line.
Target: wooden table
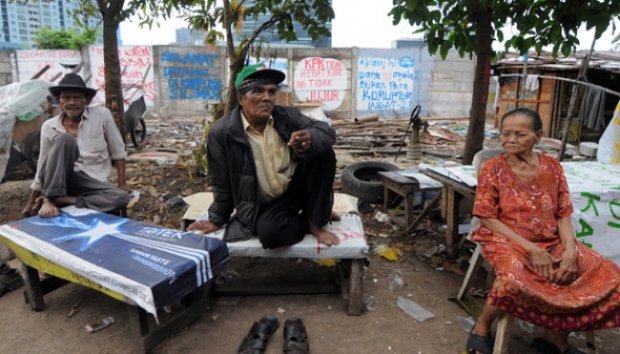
(453, 192)
(150, 268)
(396, 185)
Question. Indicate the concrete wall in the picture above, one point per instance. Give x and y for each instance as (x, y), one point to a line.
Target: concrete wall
(189, 78)
(6, 66)
(348, 82)
(451, 85)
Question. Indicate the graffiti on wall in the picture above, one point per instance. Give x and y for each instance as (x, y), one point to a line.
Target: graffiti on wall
(280, 64)
(135, 63)
(30, 61)
(386, 84)
(321, 79)
(191, 75)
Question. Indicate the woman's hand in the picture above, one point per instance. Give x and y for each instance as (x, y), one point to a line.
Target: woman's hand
(542, 262)
(567, 271)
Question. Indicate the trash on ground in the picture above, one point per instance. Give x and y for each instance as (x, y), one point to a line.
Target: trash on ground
(382, 217)
(466, 323)
(74, 310)
(369, 301)
(414, 310)
(281, 310)
(134, 196)
(98, 325)
(435, 250)
(526, 326)
(390, 253)
(396, 280)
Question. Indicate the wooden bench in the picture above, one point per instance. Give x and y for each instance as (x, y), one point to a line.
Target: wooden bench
(351, 254)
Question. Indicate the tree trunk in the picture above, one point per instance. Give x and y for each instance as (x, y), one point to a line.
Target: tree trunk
(112, 72)
(477, 114)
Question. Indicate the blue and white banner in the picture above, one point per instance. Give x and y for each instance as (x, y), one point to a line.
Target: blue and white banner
(147, 264)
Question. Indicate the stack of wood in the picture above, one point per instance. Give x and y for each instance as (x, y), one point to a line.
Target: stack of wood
(384, 137)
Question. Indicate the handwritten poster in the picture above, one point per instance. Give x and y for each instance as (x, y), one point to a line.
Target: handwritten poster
(134, 62)
(321, 79)
(386, 83)
(30, 61)
(191, 75)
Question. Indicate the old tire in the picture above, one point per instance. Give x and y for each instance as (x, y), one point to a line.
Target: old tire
(30, 148)
(361, 180)
(137, 131)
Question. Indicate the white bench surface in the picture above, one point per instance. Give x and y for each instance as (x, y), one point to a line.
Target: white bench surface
(349, 229)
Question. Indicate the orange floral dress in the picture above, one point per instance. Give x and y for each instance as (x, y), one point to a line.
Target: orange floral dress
(532, 209)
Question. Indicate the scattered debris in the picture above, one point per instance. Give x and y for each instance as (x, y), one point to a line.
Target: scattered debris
(74, 310)
(390, 253)
(98, 325)
(382, 217)
(414, 310)
(369, 301)
(466, 323)
(396, 280)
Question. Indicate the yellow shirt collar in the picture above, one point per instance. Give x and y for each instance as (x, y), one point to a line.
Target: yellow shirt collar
(246, 124)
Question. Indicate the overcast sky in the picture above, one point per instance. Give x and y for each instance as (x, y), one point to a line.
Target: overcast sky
(357, 23)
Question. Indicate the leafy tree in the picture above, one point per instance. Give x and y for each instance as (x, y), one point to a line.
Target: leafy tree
(470, 26)
(313, 15)
(47, 38)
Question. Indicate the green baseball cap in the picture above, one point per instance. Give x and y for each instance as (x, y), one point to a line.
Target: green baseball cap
(258, 71)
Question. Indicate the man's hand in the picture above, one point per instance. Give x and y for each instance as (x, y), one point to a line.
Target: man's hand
(124, 187)
(301, 141)
(567, 271)
(542, 262)
(204, 226)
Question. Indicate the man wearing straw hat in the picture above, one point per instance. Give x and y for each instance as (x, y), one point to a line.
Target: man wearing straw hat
(77, 150)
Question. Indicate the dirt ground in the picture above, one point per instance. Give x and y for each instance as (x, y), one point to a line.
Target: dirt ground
(428, 281)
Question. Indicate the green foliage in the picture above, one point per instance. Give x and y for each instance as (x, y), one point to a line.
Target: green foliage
(452, 23)
(46, 38)
(313, 15)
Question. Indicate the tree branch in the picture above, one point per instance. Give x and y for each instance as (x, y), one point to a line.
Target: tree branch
(232, 56)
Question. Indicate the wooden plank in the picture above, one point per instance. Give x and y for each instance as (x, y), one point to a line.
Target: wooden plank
(276, 289)
(356, 289)
(427, 210)
(32, 288)
(502, 335)
(452, 222)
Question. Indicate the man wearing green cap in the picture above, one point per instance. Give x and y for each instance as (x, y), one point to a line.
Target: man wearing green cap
(270, 164)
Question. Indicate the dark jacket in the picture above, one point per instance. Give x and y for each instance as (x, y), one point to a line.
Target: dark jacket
(232, 170)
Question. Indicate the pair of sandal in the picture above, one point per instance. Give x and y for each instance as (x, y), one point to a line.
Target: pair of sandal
(295, 336)
(10, 279)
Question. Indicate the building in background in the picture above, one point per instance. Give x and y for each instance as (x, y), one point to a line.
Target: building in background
(21, 20)
(189, 36)
(271, 36)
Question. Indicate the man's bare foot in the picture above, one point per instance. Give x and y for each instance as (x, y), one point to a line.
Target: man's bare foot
(48, 209)
(324, 236)
(334, 216)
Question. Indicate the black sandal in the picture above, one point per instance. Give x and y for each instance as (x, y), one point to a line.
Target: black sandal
(479, 344)
(10, 278)
(255, 342)
(295, 337)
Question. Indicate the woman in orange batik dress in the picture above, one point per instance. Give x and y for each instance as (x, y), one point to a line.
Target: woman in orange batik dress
(543, 275)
